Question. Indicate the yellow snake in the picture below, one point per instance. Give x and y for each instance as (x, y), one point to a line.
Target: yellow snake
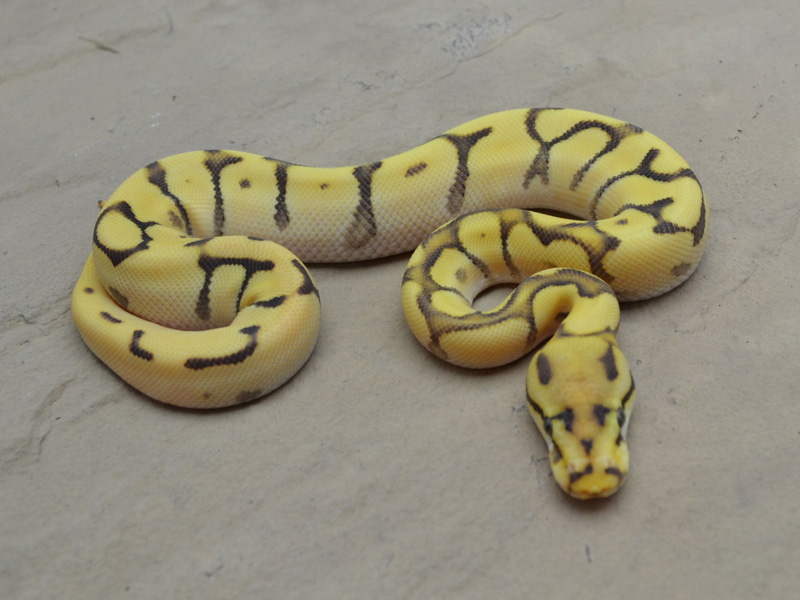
(184, 299)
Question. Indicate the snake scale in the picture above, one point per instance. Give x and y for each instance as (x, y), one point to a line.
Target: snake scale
(186, 300)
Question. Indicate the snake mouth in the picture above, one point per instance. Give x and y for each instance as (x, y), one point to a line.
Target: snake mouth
(592, 481)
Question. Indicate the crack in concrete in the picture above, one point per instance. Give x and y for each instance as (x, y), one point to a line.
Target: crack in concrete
(29, 449)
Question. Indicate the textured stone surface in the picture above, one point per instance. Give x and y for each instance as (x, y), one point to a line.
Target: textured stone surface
(379, 472)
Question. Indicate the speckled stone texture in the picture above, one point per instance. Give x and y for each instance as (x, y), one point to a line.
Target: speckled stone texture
(379, 471)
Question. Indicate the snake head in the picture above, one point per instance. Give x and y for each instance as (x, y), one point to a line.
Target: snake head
(580, 394)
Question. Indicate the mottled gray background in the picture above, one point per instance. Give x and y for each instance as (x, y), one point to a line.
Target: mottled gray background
(380, 472)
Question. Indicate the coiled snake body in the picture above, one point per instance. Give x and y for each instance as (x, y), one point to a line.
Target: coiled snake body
(184, 299)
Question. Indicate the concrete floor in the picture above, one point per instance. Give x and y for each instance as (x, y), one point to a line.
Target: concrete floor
(379, 471)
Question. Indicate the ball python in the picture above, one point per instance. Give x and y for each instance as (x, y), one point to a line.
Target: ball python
(195, 293)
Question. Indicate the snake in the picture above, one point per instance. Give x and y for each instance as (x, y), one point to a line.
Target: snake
(196, 292)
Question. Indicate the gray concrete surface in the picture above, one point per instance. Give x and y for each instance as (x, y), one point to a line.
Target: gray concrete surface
(380, 472)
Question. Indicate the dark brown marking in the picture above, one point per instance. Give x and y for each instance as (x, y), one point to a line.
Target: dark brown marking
(440, 324)
(573, 477)
(416, 169)
(616, 133)
(644, 169)
(308, 286)
(567, 417)
(323, 186)
(615, 471)
(88, 290)
(699, 230)
(174, 220)
(681, 269)
(655, 210)
(281, 216)
(548, 235)
(463, 144)
(114, 255)
(548, 425)
(556, 454)
(587, 446)
(198, 242)
(118, 297)
(461, 274)
(610, 364)
(540, 165)
(215, 162)
(600, 413)
(244, 184)
(271, 303)
(157, 175)
(247, 396)
(210, 263)
(109, 318)
(535, 406)
(543, 369)
(629, 393)
(363, 226)
(506, 227)
(229, 359)
(136, 349)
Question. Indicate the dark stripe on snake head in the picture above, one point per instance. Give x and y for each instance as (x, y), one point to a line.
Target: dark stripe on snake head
(543, 368)
(535, 406)
(610, 364)
(600, 413)
(573, 477)
(629, 393)
(567, 417)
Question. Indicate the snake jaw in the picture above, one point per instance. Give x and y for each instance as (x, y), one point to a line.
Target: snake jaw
(588, 468)
(599, 477)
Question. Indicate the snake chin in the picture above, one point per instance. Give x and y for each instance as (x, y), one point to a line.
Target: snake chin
(600, 477)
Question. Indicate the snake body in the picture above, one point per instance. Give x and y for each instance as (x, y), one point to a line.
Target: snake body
(184, 299)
